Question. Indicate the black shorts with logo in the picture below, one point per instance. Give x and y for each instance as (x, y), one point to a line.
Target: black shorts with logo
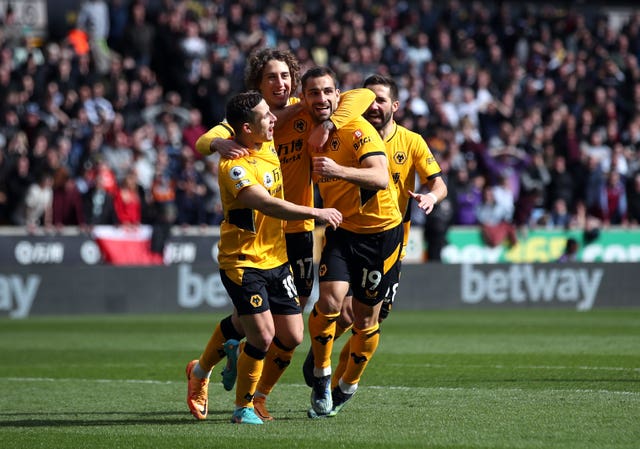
(369, 262)
(254, 291)
(300, 254)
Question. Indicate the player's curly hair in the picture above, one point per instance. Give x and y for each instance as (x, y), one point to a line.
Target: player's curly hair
(259, 58)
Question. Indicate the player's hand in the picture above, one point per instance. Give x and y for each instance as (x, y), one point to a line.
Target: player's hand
(229, 148)
(325, 166)
(425, 202)
(330, 216)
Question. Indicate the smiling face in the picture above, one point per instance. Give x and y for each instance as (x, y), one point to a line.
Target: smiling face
(275, 85)
(320, 97)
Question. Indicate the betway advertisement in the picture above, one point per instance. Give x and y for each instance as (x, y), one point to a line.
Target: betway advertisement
(528, 284)
(101, 289)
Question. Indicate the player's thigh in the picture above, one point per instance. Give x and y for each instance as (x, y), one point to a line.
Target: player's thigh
(259, 329)
(289, 329)
(346, 313)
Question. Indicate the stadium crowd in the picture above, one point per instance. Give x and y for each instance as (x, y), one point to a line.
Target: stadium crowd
(533, 112)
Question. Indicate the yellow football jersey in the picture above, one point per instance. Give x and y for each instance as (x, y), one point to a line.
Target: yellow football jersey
(248, 238)
(290, 143)
(409, 154)
(363, 211)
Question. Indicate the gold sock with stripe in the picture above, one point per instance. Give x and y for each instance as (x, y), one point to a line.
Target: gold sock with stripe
(275, 363)
(362, 345)
(250, 365)
(214, 351)
(322, 329)
(342, 364)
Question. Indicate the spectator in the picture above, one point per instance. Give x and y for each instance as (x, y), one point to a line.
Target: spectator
(128, 202)
(98, 202)
(468, 197)
(193, 130)
(594, 186)
(18, 181)
(532, 200)
(560, 217)
(212, 201)
(561, 184)
(138, 35)
(67, 203)
(495, 222)
(32, 125)
(190, 191)
(118, 154)
(613, 200)
(93, 18)
(99, 109)
(163, 191)
(163, 200)
(36, 208)
(505, 163)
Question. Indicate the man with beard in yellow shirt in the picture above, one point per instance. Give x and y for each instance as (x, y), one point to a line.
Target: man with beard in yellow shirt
(408, 155)
(352, 174)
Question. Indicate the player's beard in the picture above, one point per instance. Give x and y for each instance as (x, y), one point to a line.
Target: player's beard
(382, 119)
(325, 114)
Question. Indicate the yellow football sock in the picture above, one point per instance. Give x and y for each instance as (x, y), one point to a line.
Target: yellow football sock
(250, 364)
(342, 364)
(362, 345)
(321, 330)
(275, 363)
(214, 351)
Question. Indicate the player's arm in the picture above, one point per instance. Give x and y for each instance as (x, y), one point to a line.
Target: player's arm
(372, 174)
(256, 197)
(286, 114)
(353, 103)
(219, 138)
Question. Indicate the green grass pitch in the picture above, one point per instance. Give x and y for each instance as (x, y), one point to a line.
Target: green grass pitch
(490, 379)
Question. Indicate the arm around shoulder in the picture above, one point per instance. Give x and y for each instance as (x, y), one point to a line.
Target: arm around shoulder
(205, 143)
(256, 197)
(353, 103)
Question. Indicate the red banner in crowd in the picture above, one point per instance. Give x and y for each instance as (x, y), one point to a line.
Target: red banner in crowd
(126, 245)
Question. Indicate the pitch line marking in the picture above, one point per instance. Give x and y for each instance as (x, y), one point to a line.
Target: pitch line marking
(373, 387)
(548, 367)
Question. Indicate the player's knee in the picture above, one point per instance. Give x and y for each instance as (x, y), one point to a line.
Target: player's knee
(344, 320)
